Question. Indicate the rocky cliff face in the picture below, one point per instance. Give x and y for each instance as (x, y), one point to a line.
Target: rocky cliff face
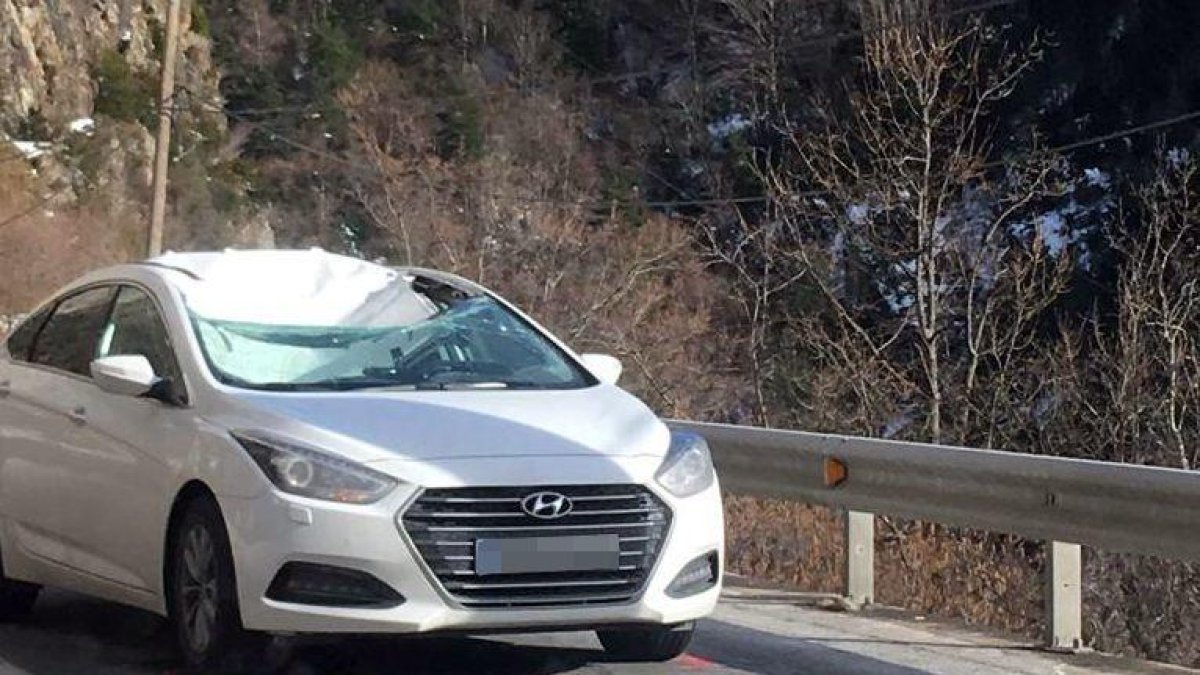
(77, 120)
(43, 59)
(58, 56)
(50, 50)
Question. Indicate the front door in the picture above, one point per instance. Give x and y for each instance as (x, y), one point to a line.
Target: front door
(120, 480)
(88, 493)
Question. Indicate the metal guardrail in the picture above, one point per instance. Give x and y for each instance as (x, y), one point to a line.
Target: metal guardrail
(1116, 507)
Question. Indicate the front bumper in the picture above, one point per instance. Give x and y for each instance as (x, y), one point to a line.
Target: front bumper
(268, 531)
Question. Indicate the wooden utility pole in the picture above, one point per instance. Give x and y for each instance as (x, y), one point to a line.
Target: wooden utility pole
(162, 146)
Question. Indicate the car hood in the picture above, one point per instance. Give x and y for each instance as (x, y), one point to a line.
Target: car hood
(598, 421)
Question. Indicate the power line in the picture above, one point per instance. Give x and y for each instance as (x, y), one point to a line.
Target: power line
(313, 110)
(1151, 126)
(286, 140)
(242, 114)
(667, 204)
(274, 135)
(37, 205)
(90, 154)
(748, 199)
(1060, 149)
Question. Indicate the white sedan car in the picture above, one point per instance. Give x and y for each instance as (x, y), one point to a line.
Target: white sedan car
(296, 442)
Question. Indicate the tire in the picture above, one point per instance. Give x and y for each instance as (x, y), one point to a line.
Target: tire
(652, 643)
(16, 597)
(203, 592)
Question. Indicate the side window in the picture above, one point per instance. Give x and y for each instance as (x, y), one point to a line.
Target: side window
(136, 327)
(68, 340)
(21, 339)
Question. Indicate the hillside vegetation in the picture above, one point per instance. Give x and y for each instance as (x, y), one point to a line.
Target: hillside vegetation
(899, 218)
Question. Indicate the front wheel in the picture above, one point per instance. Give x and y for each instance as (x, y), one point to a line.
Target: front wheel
(203, 593)
(652, 643)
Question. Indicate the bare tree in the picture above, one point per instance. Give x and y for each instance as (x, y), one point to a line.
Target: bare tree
(762, 268)
(1160, 298)
(765, 46)
(1129, 379)
(925, 249)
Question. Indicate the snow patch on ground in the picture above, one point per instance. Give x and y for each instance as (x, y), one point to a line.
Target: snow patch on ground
(728, 126)
(31, 149)
(858, 213)
(1097, 178)
(83, 125)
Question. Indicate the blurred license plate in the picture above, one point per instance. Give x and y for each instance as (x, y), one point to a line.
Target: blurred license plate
(547, 554)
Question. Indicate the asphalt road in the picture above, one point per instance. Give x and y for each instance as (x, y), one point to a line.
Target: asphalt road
(753, 631)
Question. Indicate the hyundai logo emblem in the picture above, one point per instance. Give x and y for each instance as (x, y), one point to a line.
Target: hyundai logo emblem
(546, 505)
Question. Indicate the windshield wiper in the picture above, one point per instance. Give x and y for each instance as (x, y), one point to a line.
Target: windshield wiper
(452, 386)
(360, 383)
(286, 386)
(495, 384)
(331, 384)
(525, 384)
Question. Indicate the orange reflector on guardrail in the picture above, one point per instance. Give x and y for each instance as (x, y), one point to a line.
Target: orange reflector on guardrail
(835, 472)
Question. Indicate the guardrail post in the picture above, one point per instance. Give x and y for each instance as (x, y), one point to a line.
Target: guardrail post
(860, 558)
(1064, 597)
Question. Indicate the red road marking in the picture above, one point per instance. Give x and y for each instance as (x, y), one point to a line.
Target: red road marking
(691, 661)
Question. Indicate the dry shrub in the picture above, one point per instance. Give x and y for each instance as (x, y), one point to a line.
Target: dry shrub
(46, 241)
(786, 542)
(1143, 606)
(1135, 605)
(972, 576)
(47, 249)
(965, 574)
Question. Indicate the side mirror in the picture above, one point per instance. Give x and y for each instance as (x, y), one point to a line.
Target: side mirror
(127, 375)
(606, 368)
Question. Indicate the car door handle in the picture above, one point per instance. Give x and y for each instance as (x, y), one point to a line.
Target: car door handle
(78, 415)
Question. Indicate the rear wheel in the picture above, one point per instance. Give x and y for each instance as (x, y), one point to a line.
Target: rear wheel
(16, 597)
(203, 593)
(651, 643)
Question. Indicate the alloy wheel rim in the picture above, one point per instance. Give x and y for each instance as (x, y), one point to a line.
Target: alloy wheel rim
(198, 588)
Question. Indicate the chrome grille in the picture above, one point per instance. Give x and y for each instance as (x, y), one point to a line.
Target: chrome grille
(444, 524)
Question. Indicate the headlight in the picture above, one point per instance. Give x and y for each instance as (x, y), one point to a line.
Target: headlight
(688, 467)
(309, 473)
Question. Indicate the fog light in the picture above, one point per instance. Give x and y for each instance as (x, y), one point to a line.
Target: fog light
(699, 575)
(313, 584)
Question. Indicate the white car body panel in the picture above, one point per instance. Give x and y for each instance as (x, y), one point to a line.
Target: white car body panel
(88, 479)
(598, 420)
